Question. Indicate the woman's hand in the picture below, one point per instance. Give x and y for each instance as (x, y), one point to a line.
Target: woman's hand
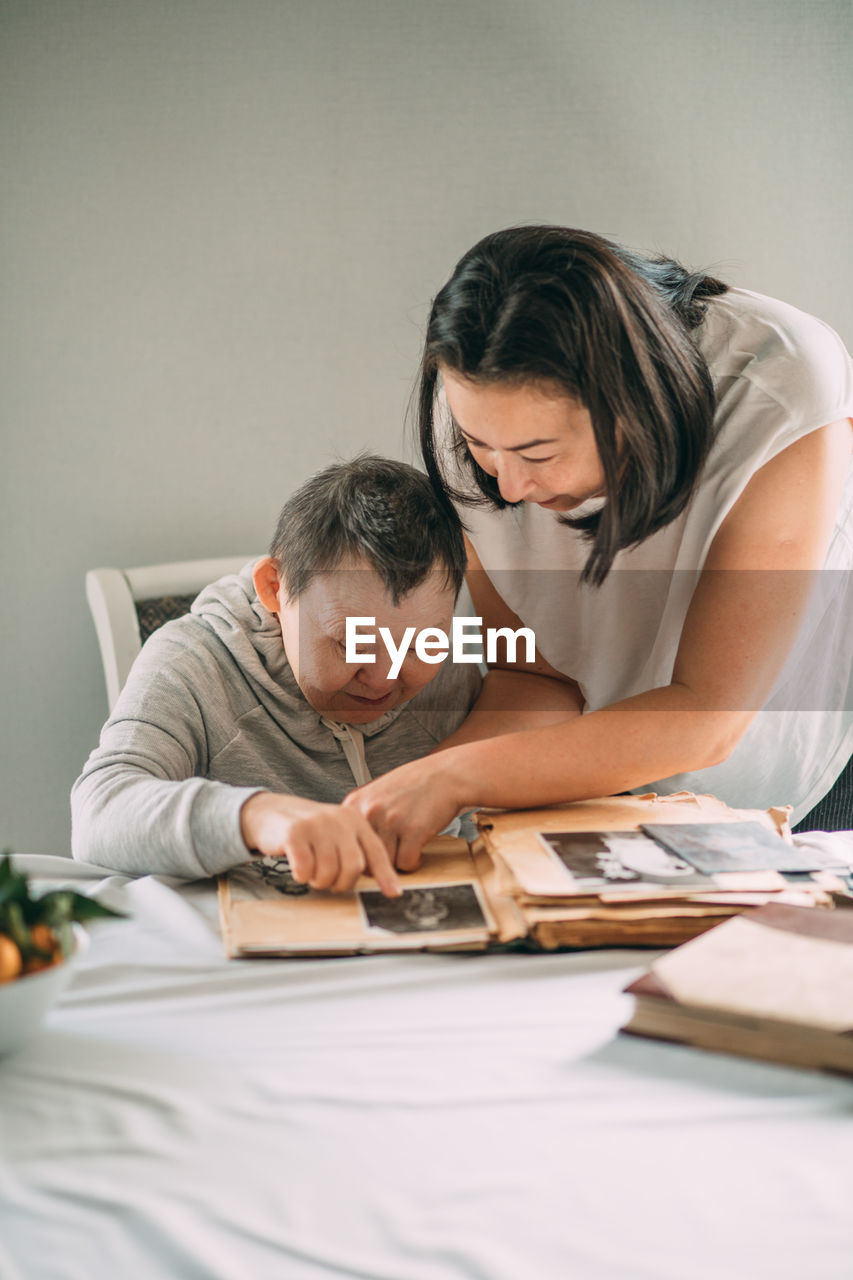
(408, 806)
(327, 846)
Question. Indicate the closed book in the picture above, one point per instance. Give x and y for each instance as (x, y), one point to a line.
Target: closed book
(775, 983)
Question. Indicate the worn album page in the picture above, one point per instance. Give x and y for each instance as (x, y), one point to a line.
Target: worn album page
(443, 906)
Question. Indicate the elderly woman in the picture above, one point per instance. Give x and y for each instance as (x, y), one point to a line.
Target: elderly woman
(655, 474)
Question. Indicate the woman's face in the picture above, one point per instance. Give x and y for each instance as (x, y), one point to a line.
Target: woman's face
(534, 438)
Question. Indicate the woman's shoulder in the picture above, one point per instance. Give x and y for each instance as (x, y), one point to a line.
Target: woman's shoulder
(741, 324)
(790, 357)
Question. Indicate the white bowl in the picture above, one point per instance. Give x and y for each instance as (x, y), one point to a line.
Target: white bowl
(25, 1001)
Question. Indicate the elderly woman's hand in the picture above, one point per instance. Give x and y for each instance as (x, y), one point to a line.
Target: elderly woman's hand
(328, 847)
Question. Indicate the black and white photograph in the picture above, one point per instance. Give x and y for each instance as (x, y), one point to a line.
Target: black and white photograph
(717, 847)
(620, 859)
(266, 878)
(434, 908)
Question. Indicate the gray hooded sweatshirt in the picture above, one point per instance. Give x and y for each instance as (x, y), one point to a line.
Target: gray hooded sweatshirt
(210, 714)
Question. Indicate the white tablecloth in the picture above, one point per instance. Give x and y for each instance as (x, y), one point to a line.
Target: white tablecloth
(402, 1118)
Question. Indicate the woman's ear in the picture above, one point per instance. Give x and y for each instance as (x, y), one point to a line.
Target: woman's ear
(267, 585)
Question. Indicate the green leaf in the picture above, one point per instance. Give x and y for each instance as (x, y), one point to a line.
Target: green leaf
(13, 884)
(65, 904)
(17, 930)
(66, 937)
(20, 911)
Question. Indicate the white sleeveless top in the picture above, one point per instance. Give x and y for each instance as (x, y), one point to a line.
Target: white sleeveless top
(778, 374)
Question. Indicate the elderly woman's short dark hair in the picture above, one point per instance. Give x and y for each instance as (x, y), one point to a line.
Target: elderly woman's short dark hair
(373, 509)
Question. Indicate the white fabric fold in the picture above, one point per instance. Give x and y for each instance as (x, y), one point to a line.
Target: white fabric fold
(428, 1117)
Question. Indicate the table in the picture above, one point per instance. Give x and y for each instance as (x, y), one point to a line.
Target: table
(421, 1117)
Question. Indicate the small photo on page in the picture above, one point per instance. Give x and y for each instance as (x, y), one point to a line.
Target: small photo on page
(628, 860)
(737, 846)
(427, 909)
(264, 879)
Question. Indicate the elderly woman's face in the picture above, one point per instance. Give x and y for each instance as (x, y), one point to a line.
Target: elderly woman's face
(313, 629)
(534, 438)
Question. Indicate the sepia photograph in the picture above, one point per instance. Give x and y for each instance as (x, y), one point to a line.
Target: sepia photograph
(619, 859)
(439, 907)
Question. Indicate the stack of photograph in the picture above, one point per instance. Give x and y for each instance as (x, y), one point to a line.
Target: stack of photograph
(646, 870)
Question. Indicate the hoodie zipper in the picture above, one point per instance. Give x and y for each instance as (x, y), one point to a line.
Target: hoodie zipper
(352, 741)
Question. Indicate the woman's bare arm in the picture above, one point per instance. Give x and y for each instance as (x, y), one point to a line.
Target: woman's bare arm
(744, 615)
(513, 698)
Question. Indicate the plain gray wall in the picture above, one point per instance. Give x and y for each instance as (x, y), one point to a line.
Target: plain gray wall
(223, 223)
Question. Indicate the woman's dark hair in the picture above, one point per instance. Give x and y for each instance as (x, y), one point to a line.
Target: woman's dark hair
(610, 327)
(377, 510)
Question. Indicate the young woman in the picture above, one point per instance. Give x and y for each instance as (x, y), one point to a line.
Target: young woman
(655, 475)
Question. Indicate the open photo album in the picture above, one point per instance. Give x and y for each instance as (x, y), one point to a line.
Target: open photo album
(622, 871)
(444, 904)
